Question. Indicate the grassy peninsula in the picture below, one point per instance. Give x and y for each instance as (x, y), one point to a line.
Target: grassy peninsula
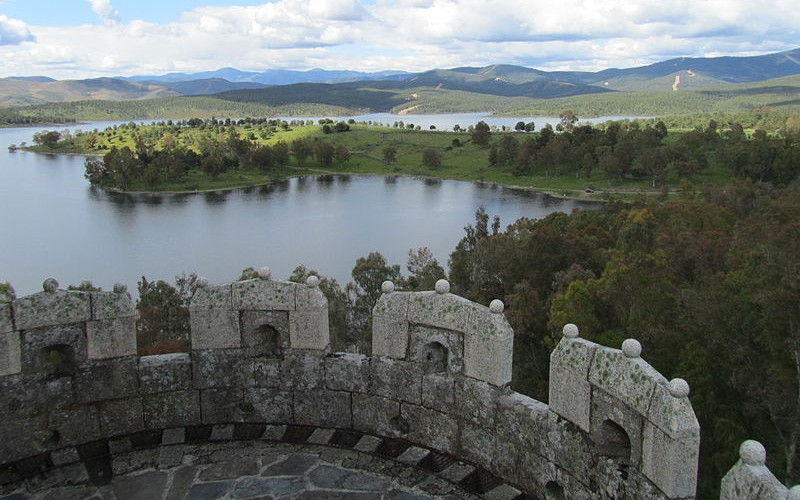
(621, 158)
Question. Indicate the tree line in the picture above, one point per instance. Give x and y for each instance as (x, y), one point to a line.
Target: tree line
(631, 151)
(164, 154)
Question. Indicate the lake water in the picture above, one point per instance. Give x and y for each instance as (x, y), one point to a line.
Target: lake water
(54, 224)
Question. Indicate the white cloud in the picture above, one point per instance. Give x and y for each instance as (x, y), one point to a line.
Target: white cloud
(412, 35)
(14, 31)
(105, 11)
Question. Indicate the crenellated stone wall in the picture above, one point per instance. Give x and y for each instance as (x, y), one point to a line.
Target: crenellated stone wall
(435, 394)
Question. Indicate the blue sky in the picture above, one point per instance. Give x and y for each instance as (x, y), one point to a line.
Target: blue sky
(76, 12)
(91, 38)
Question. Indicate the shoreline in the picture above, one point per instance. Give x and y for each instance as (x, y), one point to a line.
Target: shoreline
(566, 194)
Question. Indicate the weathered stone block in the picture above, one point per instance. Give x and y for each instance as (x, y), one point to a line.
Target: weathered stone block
(111, 338)
(20, 438)
(390, 325)
(322, 408)
(438, 392)
(220, 368)
(432, 428)
(751, 482)
(22, 396)
(271, 406)
(302, 370)
(570, 391)
(671, 464)
(673, 415)
(308, 323)
(110, 305)
(222, 405)
(488, 347)
(172, 409)
(56, 308)
(107, 379)
(122, 416)
(213, 320)
(523, 421)
(74, 426)
(347, 372)
(439, 350)
(65, 456)
(447, 311)
(568, 447)
(165, 372)
(10, 353)
(631, 380)
(401, 380)
(609, 419)
(477, 402)
(6, 321)
(264, 333)
(54, 351)
(485, 449)
(377, 415)
(266, 373)
(265, 295)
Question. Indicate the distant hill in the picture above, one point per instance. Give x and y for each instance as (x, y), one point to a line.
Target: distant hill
(206, 86)
(274, 76)
(496, 88)
(19, 92)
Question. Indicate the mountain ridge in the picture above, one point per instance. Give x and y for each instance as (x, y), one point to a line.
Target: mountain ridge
(384, 90)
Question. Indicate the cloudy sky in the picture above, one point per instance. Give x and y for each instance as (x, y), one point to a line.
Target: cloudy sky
(89, 38)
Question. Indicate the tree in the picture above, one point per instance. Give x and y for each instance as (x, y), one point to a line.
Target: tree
(389, 155)
(568, 120)
(342, 155)
(301, 150)
(369, 273)
(424, 269)
(520, 126)
(481, 133)
(280, 152)
(163, 324)
(431, 158)
(324, 153)
(47, 138)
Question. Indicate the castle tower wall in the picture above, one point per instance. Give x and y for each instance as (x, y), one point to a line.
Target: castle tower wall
(435, 393)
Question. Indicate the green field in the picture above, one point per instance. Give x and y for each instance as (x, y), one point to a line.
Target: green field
(460, 157)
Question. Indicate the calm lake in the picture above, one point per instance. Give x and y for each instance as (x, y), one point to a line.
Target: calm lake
(55, 225)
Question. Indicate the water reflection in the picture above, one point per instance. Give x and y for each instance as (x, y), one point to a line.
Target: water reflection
(216, 197)
(324, 222)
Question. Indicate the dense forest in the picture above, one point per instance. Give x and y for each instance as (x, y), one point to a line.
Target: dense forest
(705, 274)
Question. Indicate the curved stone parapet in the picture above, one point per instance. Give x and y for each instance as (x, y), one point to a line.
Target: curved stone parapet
(73, 392)
(750, 479)
(631, 412)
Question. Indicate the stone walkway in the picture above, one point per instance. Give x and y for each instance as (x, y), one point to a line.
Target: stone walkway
(257, 470)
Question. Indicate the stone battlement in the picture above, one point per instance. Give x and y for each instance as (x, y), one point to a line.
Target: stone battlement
(74, 394)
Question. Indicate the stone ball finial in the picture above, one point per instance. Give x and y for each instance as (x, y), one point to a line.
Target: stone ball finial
(753, 453)
(202, 282)
(387, 287)
(570, 331)
(631, 348)
(794, 493)
(496, 306)
(120, 287)
(442, 287)
(678, 388)
(264, 273)
(50, 285)
(312, 281)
